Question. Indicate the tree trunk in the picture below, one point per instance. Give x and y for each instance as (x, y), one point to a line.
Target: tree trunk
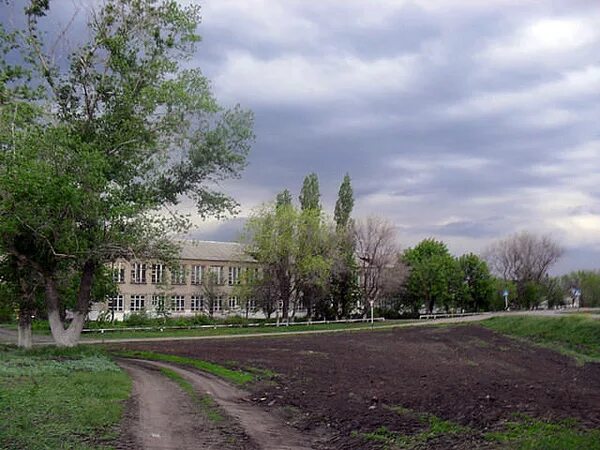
(25, 339)
(69, 337)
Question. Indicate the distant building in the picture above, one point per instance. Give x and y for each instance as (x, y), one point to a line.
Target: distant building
(202, 283)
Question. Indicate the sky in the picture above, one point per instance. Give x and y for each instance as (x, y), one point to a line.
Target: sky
(463, 120)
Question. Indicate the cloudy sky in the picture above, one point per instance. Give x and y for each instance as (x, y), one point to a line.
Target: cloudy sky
(465, 120)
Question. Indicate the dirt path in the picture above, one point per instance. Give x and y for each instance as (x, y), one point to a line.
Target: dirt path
(161, 416)
(266, 430)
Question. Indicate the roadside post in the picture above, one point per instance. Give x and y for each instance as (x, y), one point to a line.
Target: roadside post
(372, 320)
(505, 294)
(577, 296)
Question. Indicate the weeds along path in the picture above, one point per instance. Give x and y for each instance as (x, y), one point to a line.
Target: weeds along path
(160, 415)
(265, 431)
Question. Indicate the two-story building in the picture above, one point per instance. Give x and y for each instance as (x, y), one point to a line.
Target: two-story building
(203, 282)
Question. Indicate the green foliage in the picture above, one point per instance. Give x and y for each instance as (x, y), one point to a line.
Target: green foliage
(434, 277)
(122, 131)
(310, 197)
(531, 434)
(478, 289)
(284, 198)
(434, 428)
(577, 335)
(588, 282)
(553, 292)
(235, 376)
(59, 399)
(344, 204)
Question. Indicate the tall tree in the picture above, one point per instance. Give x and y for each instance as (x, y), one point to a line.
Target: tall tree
(478, 283)
(310, 196)
(524, 258)
(344, 204)
(271, 238)
(126, 132)
(377, 252)
(344, 286)
(434, 276)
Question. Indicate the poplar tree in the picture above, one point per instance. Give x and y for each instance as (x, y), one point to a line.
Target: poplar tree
(344, 286)
(310, 197)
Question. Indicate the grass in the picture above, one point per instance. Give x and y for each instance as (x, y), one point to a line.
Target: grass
(235, 376)
(522, 433)
(55, 398)
(434, 428)
(206, 403)
(575, 335)
(526, 433)
(237, 331)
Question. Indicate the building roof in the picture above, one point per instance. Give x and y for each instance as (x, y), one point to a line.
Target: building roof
(213, 251)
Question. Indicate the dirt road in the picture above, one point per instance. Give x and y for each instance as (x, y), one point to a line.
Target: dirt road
(167, 419)
(160, 415)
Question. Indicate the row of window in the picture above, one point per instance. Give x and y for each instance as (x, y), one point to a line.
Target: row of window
(175, 303)
(198, 274)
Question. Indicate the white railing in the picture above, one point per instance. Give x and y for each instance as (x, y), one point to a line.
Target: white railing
(231, 325)
(446, 315)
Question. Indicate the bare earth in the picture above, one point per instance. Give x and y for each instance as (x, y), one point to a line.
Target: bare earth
(159, 415)
(166, 418)
(342, 385)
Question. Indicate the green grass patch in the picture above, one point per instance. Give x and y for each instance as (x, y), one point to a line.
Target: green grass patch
(575, 335)
(433, 428)
(236, 376)
(240, 331)
(530, 434)
(60, 398)
(206, 403)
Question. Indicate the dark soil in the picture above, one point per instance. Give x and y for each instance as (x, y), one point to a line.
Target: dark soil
(343, 385)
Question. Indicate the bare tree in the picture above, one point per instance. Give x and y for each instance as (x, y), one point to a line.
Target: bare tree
(378, 253)
(523, 258)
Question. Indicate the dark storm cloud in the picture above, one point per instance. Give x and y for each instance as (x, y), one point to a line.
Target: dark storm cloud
(461, 119)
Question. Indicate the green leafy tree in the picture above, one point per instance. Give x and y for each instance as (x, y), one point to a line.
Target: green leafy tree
(588, 282)
(478, 289)
(271, 238)
(284, 198)
(344, 204)
(434, 276)
(345, 292)
(310, 196)
(313, 260)
(553, 292)
(116, 137)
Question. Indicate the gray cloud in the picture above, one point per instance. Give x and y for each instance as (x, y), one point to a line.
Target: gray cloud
(462, 119)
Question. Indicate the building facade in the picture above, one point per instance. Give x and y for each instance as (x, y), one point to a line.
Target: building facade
(203, 281)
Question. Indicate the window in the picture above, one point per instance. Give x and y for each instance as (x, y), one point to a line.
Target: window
(234, 275)
(138, 273)
(197, 303)
(158, 302)
(118, 272)
(178, 275)
(138, 303)
(252, 304)
(115, 303)
(196, 274)
(232, 302)
(157, 273)
(178, 303)
(218, 271)
(218, 304)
